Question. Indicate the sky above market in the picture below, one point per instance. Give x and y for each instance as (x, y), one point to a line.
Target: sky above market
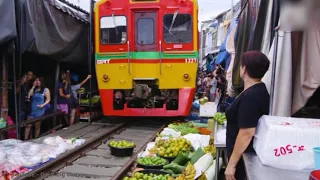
(207, 8)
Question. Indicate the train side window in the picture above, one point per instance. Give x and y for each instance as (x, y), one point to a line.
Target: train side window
(145, 31)
(177, 30)
(113, 30)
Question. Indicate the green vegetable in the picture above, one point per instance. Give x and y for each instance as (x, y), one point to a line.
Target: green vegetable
(196, 155)
(182, 158)
(176, 168)
(184, 128)
(220, 118)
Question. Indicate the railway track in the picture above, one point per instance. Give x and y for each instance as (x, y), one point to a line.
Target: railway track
(93, 159)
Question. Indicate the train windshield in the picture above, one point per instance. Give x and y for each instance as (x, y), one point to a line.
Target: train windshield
(113, 30)
(177, 28)
(145, 31)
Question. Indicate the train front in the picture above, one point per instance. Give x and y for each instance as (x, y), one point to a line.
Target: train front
(146, 55)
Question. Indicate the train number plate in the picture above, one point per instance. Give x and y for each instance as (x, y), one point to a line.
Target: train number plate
(104, 61)
(191, 60)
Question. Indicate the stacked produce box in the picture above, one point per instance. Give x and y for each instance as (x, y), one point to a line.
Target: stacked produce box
(84, 102)
(182, 151)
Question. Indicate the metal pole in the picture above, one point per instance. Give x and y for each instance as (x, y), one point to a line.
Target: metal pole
(17, 118)
(20, 65)
(90, 51)
(56, 82)
(273, 71)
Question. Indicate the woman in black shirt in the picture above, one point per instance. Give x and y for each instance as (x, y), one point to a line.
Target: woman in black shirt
(244, 113)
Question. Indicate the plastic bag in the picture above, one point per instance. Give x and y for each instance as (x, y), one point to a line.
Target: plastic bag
(287, 143)
(198, 140)
(170, 132)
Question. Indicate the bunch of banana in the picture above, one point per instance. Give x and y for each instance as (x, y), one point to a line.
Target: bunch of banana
(181, 177)
(188, 174)
(211, 142)
(210, 149)
(203, 177)
(220, 118)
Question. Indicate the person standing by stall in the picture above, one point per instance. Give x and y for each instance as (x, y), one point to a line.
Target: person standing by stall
(40, 99)
(73, 103)
(244, 113)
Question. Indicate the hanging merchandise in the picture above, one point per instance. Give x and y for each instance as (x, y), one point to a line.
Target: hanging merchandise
(224, 54)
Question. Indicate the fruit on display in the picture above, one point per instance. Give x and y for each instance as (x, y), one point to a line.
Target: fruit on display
(210, 149)
(95, 99)
(152, 161)
(201, 101)
(171, 147)
(81, 90)
(211, 142)
(184, 128)
(205, 99)
(122, 144)
(220, 118)
(203, 177)
(84, 101)
(188, 174)
(139, 175)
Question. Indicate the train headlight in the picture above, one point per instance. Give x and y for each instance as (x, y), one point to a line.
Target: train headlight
(105, 78)
(186, 77)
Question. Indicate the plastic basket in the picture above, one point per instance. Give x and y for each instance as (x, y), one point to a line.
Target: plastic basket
(315, 175)
(316, 151)
(121, 152)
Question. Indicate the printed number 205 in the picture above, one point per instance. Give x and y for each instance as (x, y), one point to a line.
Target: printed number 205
(283, 151)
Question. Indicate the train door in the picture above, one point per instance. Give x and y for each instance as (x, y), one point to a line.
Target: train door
(146, 55)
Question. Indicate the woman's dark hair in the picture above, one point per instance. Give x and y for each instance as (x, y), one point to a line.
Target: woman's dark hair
(43, 85)
(256, 63)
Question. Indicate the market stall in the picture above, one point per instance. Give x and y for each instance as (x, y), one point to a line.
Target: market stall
(19, 157)
(90, 105)
(182, 151)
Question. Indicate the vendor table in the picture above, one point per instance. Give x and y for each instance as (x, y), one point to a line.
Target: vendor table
(255, 170)
(220, 144)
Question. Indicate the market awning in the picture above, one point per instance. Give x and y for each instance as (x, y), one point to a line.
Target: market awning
(51, 28)
(8, 29)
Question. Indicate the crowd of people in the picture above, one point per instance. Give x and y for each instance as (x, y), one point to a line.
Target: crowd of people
(213, 86)
(36, 99)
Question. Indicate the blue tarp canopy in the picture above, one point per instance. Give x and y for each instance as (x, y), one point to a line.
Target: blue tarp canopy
(223, 53)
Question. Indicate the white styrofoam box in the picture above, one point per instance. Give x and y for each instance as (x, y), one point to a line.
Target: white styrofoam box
(287, 143)
(208, 109)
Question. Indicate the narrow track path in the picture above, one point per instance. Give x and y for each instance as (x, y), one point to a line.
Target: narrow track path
(93, 160)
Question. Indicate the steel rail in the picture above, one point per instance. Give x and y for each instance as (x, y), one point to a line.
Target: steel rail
(51, 168)
(125, 169)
